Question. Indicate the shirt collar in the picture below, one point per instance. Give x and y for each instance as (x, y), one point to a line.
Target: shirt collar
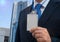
(44, 3)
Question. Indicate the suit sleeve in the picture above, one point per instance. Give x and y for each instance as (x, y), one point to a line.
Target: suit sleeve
(54, 39)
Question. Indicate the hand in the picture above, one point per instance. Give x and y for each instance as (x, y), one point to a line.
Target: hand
(40, 34)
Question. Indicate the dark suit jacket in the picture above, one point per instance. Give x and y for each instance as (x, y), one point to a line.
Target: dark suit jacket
(50, 19)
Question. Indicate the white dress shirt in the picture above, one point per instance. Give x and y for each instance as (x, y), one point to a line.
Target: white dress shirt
(44, 4)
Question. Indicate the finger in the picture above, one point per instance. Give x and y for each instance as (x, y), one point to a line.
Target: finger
(40, 40)
(40, 32)
(33, 29)
(39, 36)
(38, 28)
(41, 28)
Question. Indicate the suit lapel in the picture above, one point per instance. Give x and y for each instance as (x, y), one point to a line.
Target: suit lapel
(29, 9)
(47, 13)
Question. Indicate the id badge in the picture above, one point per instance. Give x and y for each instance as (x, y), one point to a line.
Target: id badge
(32, 21)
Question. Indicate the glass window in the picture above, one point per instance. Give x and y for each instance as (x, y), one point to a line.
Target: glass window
(6, 38)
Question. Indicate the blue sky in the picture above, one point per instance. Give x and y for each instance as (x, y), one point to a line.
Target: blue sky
(6, 12)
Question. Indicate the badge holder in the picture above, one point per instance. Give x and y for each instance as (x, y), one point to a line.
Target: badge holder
(32, 20)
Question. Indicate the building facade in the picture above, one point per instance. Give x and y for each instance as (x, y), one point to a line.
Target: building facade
(4, 34)
(17, 7)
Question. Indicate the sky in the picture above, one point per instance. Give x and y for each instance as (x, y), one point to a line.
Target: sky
(6, 12)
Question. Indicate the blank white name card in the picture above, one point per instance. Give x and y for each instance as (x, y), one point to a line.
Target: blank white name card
(32, 21)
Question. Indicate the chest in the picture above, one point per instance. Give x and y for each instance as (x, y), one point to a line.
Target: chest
(51, 22)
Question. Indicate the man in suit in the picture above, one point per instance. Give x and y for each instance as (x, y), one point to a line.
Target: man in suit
(48, 29)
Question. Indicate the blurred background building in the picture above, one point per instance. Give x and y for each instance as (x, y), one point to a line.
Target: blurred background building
(17, 8)
(9, 21)
(4, 34)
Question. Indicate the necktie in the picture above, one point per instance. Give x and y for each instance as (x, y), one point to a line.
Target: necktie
(38, 10)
